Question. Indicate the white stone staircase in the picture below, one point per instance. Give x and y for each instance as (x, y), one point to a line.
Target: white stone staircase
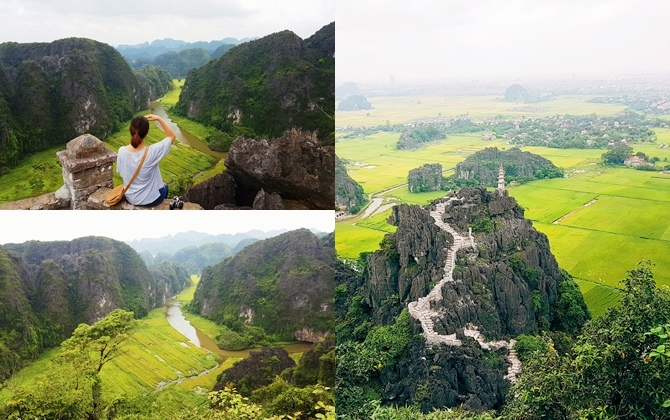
(422, 311)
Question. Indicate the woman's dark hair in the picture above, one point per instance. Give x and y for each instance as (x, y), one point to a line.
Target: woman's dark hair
(139, 127)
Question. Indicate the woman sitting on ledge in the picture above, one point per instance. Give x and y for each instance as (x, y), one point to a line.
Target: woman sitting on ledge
(148, 188)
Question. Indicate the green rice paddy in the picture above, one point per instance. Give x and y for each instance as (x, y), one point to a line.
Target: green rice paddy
(40, 173)
(156, 356)
(601, 221)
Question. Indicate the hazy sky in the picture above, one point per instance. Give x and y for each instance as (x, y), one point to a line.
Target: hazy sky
(448, 40)
(21, 226)
(133, 22)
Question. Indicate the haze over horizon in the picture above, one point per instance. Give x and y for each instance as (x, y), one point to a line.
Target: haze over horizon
(431, 41)
(68, 225)
(129, 22)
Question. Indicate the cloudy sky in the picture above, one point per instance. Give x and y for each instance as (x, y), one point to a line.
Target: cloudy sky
(449, 40)
(20, 226)
(133, 22)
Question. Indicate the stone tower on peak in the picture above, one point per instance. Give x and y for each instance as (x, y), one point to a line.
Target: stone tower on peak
(501, 181)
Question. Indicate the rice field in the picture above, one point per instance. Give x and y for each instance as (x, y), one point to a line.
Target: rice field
(155, 354)
(377, 165)
(351, 240)
(40, 173)
(404, 109)
(600, 221)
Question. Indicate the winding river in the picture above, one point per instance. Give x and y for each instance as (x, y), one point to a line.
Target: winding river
(180, 323)
(184, 136)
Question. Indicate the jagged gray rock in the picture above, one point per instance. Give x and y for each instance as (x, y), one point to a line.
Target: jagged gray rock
(503, 286)
(220, 189)
(267, 201)
(296, 166)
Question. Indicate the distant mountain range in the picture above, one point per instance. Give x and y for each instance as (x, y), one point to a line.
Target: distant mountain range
(155, 48)
(173, 243)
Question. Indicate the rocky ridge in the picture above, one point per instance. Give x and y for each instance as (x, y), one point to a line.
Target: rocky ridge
(293, 172)
(422, 311)
(469, 296)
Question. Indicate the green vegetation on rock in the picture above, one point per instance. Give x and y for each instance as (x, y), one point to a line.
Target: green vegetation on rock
(482, 167)
(415, 137)
(348, 193)
(283, 285)
(354, 103)
(267, 86)
(62, 89)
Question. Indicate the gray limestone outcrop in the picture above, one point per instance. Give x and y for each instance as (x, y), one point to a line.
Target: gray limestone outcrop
(220, 189)
(296, 166)
(469, 296)
(425, 178)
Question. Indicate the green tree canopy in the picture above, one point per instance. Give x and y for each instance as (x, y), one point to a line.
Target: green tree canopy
(609, 372)
(617, 154)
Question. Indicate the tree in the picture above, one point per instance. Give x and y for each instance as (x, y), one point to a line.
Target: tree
(64, 393)
(617, 154)
(92, 346)
(609, 372)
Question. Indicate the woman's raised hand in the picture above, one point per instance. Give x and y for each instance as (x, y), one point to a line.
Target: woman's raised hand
(152, 117)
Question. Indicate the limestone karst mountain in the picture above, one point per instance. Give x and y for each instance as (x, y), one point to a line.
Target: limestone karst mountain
(482, 166)
(48, 288)
(268, 85)
(283, 284)
(467, 295)
(52, 92)
(348, 193)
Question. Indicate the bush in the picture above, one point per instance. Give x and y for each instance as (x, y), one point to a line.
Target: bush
(483, 225)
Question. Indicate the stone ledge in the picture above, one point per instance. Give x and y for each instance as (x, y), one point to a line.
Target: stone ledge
(50, 201)
(96, 202)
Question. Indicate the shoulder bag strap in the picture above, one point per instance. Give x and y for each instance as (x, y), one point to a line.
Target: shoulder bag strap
(137, 171)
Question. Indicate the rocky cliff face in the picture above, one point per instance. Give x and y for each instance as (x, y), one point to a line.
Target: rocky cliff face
(59, 90)
(295, 171)
(348, 193)
(48, 288)
(268, 85)
(85, 279)
(284, 284)
(496, 284)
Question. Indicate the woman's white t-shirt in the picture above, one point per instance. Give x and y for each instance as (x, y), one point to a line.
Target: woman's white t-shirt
(144, 189)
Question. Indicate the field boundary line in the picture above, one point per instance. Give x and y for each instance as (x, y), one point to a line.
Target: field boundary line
(597, 283)
(611, 233)
(608, 194)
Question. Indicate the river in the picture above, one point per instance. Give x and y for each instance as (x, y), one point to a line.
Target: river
(183, 135)
(176, 319)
